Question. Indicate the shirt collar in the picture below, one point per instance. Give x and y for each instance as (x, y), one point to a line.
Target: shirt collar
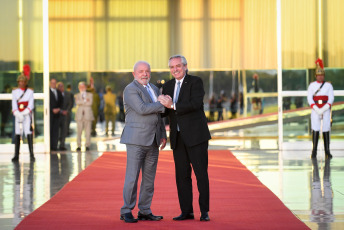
(181, 80)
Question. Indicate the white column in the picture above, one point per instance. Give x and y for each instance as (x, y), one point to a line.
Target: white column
(279, 75)
(46, 75)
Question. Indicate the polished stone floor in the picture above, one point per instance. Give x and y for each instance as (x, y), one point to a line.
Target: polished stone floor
(312, 190)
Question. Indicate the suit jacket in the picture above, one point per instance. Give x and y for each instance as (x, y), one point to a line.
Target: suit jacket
(55, 103)
(84, 107)
(189, 113)
(67, 101)
(143, 120)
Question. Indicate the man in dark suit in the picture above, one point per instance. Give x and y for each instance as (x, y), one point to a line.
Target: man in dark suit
(56, 102)
(64, 113)
(189, 136)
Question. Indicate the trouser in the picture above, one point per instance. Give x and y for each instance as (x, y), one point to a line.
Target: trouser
(145, 158)
(54, 131)
(63, 130)
(108, 118)
(184, 157)
(24, 127)
(316, 121)
(84, 125)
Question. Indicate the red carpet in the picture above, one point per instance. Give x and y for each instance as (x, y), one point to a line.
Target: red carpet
(94, 198)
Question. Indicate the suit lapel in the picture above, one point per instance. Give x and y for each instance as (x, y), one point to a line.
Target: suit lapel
(183, 87)
(144, 90)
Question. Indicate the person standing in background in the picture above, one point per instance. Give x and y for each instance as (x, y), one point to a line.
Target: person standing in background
(320, 98)
(256, 102)
(110, 110)
(5, 110)
(56, 102)
(95, 106)
(121, 107)
(84, 115)
(69, 116)
(22, 106)
(64, 114)
(219, 105)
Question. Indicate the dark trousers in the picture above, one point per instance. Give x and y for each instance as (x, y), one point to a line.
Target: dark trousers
(63, 130)
(184, 157)
(54, 131)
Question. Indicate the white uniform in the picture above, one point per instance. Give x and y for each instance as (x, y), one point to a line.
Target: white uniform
(22, 109)
(323, 97)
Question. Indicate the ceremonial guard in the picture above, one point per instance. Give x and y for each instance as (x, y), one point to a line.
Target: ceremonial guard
(22, 106)
(320, 98)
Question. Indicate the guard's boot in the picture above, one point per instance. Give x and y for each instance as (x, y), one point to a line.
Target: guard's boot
(30, 142)
(315, 139)
(16, 148)
(326, 136)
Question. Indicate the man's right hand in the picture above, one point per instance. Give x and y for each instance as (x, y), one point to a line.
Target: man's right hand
(19, 116)
(56, 110)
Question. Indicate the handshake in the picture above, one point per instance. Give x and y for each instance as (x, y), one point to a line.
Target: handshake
(165, 100)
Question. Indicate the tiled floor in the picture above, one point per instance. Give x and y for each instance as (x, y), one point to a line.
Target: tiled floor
(314, 196)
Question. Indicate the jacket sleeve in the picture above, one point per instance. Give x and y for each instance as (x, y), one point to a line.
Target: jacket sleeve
(134, 100)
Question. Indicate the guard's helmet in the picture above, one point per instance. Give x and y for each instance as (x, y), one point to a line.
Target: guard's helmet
(319, 70)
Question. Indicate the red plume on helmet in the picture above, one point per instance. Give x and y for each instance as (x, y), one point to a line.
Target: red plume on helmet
(26, 71)
(320, 62)
(319, 70)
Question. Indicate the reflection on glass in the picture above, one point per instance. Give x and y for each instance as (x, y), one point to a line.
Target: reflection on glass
(23, 192)
(321, 196)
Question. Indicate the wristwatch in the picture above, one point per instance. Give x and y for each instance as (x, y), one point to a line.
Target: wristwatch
(172, 107)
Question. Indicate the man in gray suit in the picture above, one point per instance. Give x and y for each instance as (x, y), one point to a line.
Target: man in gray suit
(84, 115)
(143, 133)
(67, 105)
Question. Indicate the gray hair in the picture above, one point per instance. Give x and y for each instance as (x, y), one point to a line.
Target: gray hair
(82, 83)
(178, 56)
(140, 62)
(59, 84)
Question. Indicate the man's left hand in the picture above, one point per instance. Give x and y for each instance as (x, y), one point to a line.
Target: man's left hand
(162, 143)
(324, 108)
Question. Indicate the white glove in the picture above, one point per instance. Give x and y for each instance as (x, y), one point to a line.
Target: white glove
(18, 116)
(316, 109)
(16, 113)
(25, 112)
(324, 108)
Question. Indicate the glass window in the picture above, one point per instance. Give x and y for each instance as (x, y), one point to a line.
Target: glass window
(294, 80)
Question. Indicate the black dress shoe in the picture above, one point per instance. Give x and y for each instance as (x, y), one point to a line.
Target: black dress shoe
(63, 148)
(15, 159)
(185, 216)
(78, 149)
(128, 218)
(204, 216)
(150, 216)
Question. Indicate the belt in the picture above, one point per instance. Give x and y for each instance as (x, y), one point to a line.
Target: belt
(320, 102)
